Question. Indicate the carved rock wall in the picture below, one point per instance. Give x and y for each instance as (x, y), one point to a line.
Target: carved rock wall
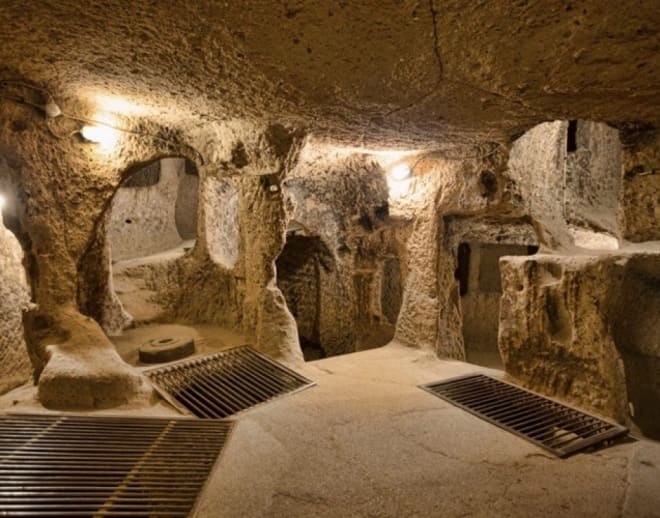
(641, 187)
(15, 366)
(558, 320)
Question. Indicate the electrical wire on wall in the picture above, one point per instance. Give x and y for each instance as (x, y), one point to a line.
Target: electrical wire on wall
(52, 111)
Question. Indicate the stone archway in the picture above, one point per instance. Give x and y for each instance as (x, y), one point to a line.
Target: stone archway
(151, 220)
(301, 268)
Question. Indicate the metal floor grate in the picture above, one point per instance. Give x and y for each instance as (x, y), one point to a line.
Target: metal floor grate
(558, 428)
(225, 383)
(105, 466)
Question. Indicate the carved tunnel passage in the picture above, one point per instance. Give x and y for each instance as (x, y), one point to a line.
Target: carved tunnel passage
(303, 269)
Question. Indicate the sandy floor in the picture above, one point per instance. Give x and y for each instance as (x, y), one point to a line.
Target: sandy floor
(208, 339)
(367, 442)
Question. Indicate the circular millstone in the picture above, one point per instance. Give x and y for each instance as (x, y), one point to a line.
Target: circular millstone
(162, 350)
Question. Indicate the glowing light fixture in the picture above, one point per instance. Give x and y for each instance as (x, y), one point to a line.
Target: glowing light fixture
(400, 172)
(104, 135)
(398, 179)
(399, 188)
(2, 201)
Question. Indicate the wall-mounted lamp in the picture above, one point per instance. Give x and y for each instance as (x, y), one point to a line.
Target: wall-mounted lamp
(103, 135)
(400, 172)
(398, 180)
(3, 201)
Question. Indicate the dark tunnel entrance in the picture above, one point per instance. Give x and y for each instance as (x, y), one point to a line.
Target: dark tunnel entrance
(301, 267)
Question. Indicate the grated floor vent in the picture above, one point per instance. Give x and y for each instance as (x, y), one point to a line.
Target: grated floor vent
(54, 465)
(558, 428)
(225, 383)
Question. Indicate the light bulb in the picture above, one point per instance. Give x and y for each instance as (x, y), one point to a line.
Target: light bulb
(398, 188)
(400, 172)
(103, 135)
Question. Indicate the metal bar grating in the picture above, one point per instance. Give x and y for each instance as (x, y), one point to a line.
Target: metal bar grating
(556, 427)
(225, 383)
(52, 465)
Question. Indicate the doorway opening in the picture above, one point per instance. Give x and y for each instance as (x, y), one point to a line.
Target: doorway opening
(152, 220)
(304, 269)
(478, 275)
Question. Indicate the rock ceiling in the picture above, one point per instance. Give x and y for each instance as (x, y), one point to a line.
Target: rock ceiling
(395, 71)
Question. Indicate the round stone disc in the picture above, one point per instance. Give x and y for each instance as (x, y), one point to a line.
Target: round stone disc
(168, 349)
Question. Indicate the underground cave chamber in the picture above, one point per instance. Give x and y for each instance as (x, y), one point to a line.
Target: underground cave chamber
(485, 279)
(340, 205)
(339, 268)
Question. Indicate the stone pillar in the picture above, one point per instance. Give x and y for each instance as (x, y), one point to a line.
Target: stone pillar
(262, 220)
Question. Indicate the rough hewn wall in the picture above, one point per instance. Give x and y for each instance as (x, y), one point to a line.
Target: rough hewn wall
(15, 367)
(565, 322)
(262, 220)
(594, 174)
(220, 205)
(554, 329)
(443, 188)
(187, 203)
(536, 165)
(64, 185)
(636, 330)
(556, 326)
(641, 186)
(299, 278)
(480, 306)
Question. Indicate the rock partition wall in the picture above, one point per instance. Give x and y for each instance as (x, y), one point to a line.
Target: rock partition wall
(65, 184)
(641, 186)
(443, 189)
(480, 306)
(564, 329)
(557, 319)
(636, 331)
(187, 202)
(15, 366)
(557, 309)
(592, 191)
(222, 237)
(342, 201)
(537, 166)
(486, 239)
